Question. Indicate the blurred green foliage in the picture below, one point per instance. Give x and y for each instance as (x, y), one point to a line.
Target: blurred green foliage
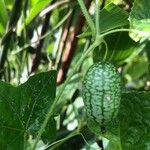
(45, 30)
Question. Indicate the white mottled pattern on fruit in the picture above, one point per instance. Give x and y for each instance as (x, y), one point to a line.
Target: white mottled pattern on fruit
(101, 92)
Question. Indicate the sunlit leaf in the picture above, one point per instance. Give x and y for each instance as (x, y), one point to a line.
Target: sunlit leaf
(140, 19)
(3, 16)
(36, 9)
(111, 17)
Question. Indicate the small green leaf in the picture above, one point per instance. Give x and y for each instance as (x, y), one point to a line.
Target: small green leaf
(36, 9)
(140, 19)
(111, 17)
(114, 143)
(3, 16)
(23, 109)
(70, 89)
(135, 121)
(94, 127)
(138, 63)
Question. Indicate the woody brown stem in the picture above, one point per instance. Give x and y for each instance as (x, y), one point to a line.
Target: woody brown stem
(71, 47)
(37, 58)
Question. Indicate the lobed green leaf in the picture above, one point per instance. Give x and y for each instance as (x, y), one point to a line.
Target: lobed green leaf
(23, 109)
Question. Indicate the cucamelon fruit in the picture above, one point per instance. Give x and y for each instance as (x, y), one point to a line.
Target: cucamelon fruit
(101, 93)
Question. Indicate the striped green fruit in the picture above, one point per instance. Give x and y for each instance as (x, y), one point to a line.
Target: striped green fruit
(101, 93)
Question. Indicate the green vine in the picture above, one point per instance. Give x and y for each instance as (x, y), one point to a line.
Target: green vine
(87, 17)
(97, 20)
